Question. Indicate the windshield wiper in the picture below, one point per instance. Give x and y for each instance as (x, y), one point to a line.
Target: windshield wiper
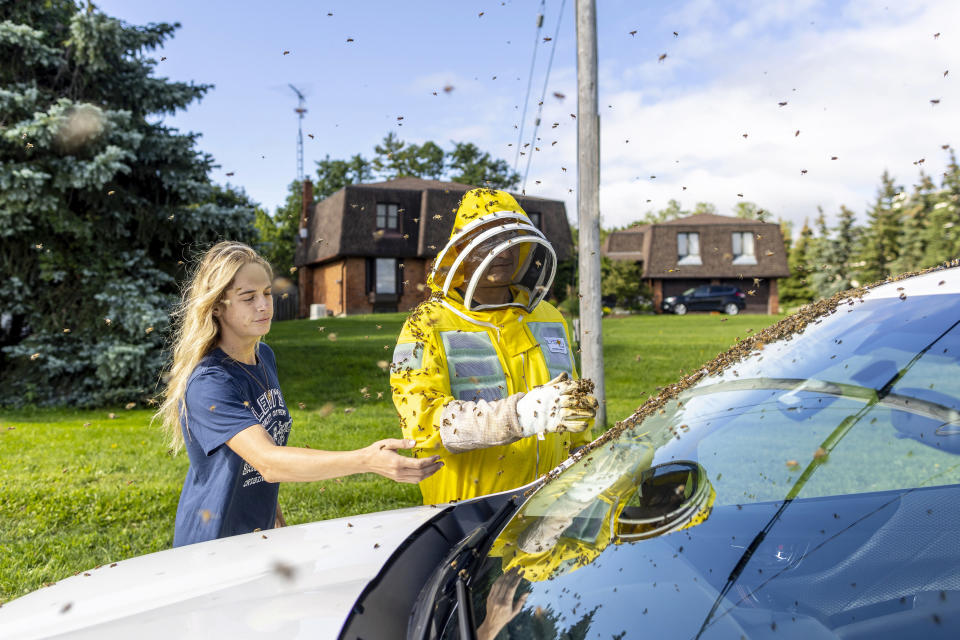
(457, 565)
(842, 429)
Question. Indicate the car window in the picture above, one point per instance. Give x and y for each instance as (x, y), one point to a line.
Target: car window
(689, 292)
(702, 291)
(832, 455)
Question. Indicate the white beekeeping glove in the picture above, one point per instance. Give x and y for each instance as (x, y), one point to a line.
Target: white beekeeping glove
(559, 405)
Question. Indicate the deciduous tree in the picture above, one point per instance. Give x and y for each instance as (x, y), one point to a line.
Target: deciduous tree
(278, 233)
(620, 281)
(394, 158)
(333, 175)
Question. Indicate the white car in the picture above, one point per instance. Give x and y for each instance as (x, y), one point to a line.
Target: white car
(803, 485)
(296, 582)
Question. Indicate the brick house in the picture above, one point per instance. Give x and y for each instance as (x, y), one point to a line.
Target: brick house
(368, 247)
(706, 249)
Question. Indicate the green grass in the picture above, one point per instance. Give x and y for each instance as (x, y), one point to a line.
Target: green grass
(79, 489)
(642, 353)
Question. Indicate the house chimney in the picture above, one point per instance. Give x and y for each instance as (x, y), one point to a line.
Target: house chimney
(305, 208)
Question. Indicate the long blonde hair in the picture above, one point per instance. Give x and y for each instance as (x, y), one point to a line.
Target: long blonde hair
(195, 329)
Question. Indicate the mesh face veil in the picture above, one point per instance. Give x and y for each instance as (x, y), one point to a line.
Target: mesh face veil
(499, 250)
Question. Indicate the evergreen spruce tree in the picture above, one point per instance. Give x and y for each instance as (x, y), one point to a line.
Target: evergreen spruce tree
(848, 237)
(834, 247)
(99, 205)
(797, 289)
(820, 252)
(881, 238)
(914, 234)
(942, 232)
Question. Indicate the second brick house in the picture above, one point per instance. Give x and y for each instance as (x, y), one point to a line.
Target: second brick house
(706, 249)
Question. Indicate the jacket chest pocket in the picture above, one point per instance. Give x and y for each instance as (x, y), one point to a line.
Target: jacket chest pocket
(554, 346)
(473, 366)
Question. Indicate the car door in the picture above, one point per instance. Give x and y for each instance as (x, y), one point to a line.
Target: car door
(719, 296)
(699, 299)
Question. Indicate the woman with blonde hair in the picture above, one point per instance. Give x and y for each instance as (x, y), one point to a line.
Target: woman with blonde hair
(223, 402)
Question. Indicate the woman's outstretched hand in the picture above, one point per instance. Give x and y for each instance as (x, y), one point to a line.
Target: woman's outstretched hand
(382, 458)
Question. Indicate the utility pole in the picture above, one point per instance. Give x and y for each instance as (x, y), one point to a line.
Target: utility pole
(300, 111)
(588, 202)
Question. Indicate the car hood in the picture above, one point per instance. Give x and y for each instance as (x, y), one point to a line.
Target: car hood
(294, 582)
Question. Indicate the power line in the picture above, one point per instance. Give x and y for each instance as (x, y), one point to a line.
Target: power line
(526, 99)
(543, 96)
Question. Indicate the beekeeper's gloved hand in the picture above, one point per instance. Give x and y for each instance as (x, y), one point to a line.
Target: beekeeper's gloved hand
(554, 407)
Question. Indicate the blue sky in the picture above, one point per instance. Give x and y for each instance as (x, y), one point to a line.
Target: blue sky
(857, 76)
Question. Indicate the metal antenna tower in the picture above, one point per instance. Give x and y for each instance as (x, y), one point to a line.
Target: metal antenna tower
(300, 110)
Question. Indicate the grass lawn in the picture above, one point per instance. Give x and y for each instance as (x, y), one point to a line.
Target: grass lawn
(79, 488)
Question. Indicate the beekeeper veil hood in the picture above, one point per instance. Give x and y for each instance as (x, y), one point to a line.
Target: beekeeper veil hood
(493, 245)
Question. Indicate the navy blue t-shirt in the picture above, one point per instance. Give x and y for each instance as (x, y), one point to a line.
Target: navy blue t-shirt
(222, 494)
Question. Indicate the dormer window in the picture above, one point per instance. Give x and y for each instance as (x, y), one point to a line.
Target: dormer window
(388, 216)
(688, 249)
(743, 250)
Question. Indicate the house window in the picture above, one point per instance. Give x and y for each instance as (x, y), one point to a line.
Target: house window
(535, 218)
(688, 248)
(388, 216)
(385, 276)
(743, 252)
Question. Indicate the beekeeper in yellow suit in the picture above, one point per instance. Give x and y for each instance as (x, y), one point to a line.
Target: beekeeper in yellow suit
(483, 373)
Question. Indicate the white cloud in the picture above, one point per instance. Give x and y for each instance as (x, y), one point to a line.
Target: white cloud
(859, 90)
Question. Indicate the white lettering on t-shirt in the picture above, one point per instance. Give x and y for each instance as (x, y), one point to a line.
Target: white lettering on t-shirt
(269, 403)
(272, 410)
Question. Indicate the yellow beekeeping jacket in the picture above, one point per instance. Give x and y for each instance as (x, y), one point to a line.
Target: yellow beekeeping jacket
(446, 353)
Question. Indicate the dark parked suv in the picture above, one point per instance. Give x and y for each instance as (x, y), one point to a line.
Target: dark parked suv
(710, 297)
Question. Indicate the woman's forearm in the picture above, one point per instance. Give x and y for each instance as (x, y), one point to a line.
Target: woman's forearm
(293, 464)
(297, 464)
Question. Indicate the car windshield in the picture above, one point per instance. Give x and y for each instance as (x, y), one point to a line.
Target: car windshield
(810, 488)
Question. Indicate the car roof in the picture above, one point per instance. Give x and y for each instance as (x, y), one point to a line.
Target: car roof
(934, 282)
